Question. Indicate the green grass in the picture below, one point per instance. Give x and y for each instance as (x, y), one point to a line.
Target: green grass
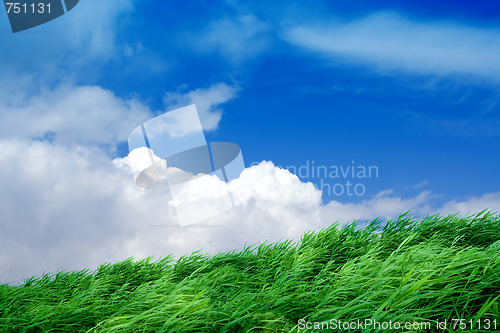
(407, 270)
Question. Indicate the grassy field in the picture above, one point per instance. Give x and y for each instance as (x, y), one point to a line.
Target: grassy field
(405, 271)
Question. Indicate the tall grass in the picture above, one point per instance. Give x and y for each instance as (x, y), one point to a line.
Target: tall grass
(405, 270)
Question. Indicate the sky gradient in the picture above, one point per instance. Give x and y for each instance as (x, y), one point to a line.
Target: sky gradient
(411, 87)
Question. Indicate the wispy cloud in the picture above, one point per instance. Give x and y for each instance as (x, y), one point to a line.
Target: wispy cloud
(207, 101)
(236, 39)
(390, 41)
(87, 33)
(473, 204)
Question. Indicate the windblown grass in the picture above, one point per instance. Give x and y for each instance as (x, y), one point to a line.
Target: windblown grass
(407, 270)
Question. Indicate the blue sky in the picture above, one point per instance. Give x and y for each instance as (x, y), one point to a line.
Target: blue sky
(411, 87)
(433, 123)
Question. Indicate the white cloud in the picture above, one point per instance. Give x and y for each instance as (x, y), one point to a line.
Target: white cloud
(64, 208)
(91, 115)
(206, 101)
(393, 42)
(74, 208)
(85, 33)
(236, 39)
(71, 114)
(473, 204)
(93, 25)
(385, 205)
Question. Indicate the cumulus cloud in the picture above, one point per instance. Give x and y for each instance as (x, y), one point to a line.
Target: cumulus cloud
(207, 102)
(71, 114)
(91, 115)
(64, 208)
(393, 42)
(72, 208)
